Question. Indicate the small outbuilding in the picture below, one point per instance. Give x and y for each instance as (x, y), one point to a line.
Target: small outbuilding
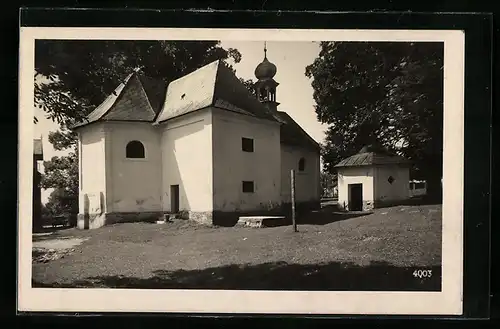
(372, 178)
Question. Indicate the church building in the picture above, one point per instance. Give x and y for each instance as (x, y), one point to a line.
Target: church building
(202, 146)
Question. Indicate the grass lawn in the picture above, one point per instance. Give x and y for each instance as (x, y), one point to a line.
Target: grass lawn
(379, 251)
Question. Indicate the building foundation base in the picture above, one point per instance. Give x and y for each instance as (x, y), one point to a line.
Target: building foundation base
(97, 220)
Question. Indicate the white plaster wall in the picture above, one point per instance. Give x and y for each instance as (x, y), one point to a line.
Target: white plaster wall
(307, 182)
(355, 175)
(398, 190)
(92, 182)
(186, 144)
(232, 165)
(134, 185)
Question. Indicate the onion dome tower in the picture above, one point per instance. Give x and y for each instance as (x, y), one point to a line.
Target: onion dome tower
(265, 87)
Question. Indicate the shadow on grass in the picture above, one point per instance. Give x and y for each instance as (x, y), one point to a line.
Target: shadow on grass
(424, 201)
(378, 276)
(326, 216)
(415, 201)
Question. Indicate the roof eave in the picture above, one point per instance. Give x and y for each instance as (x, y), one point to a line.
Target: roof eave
(352, 165)
(156, 123)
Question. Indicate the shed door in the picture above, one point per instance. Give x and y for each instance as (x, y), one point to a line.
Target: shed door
(355, 197)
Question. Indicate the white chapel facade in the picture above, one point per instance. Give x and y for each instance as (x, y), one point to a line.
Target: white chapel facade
(202, 145)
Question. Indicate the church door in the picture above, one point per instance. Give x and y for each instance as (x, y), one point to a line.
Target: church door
(174, 198)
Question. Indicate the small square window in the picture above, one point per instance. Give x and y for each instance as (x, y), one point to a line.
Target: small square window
(248, 187)
(247, 144)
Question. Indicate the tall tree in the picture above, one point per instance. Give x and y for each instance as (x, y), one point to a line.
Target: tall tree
(72, 77)
(249, 84)
(78, 75)
(328, 182)
(388, 93)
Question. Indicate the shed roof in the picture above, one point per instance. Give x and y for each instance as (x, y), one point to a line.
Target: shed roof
(369, 156)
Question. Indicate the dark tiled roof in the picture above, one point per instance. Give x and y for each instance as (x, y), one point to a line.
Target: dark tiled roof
(105, 106)
(156, 90)
(37, 147)
(138, 98)
(132, 104)
(211, 85)
(368, 156)
(292, 134)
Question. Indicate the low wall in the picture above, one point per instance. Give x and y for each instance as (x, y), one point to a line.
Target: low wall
(215, 218)
(93, 221)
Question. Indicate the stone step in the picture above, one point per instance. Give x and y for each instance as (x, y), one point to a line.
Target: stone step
(261, 221)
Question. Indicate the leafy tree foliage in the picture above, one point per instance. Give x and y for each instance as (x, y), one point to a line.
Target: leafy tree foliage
(79, 75)
(61, 173)
(328, 182)
(390, 94)
(72, 77)
(62, 203)
(249, 84)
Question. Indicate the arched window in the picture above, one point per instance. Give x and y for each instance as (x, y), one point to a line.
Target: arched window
(302, 164)
(135, 150)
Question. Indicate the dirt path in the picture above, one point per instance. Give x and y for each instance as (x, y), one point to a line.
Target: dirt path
(59, 243)
(52, 248)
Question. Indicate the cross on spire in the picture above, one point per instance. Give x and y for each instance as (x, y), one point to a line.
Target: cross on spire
(265, 50)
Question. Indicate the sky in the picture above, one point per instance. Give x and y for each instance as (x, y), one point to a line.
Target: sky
(294, 92)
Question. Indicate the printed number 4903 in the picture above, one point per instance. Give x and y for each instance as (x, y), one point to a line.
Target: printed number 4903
(422, 273)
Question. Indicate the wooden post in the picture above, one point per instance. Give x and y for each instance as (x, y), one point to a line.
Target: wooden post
(292, 185)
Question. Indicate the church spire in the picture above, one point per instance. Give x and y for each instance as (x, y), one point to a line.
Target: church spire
(265, 86)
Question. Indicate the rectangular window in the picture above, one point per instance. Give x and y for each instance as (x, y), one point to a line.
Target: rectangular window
(248, 187)
(247, 144)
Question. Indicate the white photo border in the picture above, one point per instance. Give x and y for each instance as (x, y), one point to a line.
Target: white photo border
(447, 302)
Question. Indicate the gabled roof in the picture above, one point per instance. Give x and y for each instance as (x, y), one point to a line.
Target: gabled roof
(292, 134)
(137, 98)
(369, 156)
(140, 98)
(211, 85)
